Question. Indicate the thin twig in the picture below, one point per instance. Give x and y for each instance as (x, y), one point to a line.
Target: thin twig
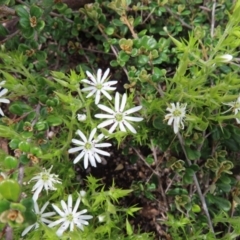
(154, 151)
(202, 198)
(9, 36)
(144, 161)
(178, 18)
(149, 15)
(61, 16)
(9, 233)
(170, 184)
(213, 18)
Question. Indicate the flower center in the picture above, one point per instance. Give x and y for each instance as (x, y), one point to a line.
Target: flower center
(177, 113)
(99, 86)
(236, 105)
(69, 217)
(88, 146)
(119, 117)
(45, 177)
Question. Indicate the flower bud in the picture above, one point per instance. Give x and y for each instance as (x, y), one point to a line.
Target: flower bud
(225, 58)
(81, 117)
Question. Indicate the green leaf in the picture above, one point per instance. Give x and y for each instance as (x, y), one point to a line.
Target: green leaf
(222, 203)
(192, 154)
(159, 124)
(225, 179)
(128, 228)
(137, 21)
(40, 26)
(25, 23)
(19, 108)
(109, 30)
(7, 132)
(27, 202)
(10, 189)
(4, 205)
(133, 209)
(29, 216)
(196, 208)
(24, 159)
(187, 179)
(111, 208)
(143, 59)
(22, 12)
(177, 191)
(10, 162)
(14, 143)
(54, 120)
(61, 7)
(18, 206)
(224, 187)
(35, 11)
(24, 146)
(157, 73)
(147, 42)
(41, 125)
(142, 33)
(28, 32)
(36, 151)
(123, 57)
(117, 22)
(47, 3)
(3, 31)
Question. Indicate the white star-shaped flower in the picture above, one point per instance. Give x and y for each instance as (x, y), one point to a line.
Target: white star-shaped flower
(70, 217)
(41, 217)
(44, 180)
(119, 117)
(89, 149)
(176, 116)
(99, 85)
(235, 107)
(3, 100)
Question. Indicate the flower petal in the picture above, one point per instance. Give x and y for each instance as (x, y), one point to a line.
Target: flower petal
(106, 109)
(97, 98)
(123, 103)
(106, 123)
(130, 127)
(62, 229)
(83, 137)
(99, 75)
(92, 134)
(92, 160)
(86, 161)
(101, 152)
(105, 75)
(117, 101)
(133, 119)
(57, 209)
(78, 158)
(4, 100)
(113, 127)
(99, 115)
(132, 110)
(3, 91)
(106, 94)
(27, 229)
(76, 149)
(91, 77)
